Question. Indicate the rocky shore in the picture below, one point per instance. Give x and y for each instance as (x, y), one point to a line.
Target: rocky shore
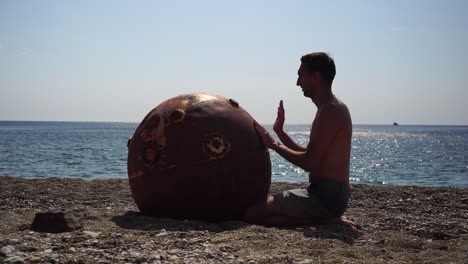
(397, 224)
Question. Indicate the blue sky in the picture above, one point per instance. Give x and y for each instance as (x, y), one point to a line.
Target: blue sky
(403, 61)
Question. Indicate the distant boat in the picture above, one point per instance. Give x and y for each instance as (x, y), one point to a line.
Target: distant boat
(395, 123)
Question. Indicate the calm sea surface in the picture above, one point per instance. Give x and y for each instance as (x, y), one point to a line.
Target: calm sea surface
(401, 155)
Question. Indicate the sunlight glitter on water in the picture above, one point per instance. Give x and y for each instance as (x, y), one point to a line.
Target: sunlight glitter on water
(405, 155)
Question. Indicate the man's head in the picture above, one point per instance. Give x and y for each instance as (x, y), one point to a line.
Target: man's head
(317, 70)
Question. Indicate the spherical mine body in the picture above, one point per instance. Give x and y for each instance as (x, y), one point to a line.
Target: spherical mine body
(197, 156)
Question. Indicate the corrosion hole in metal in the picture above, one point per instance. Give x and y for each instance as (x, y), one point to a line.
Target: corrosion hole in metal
(150, 155)
(216, 146)
(177, 115)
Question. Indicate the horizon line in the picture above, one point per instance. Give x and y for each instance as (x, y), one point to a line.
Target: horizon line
(268, 124)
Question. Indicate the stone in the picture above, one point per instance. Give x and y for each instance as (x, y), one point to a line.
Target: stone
(92, 234)
(307, 261)
(197, 156)
(29, 238)
(35, 260)
(162, 233)
(55, 222)
(7, 250)
(52, 259)
(13, 260)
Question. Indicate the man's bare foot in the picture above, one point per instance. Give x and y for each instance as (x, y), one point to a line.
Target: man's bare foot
(345, 222)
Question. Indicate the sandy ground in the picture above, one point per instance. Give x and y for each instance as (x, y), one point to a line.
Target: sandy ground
(397, 224)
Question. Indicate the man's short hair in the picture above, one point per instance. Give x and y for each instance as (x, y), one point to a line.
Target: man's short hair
(320, 62)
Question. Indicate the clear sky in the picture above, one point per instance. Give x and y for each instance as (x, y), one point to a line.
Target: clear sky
(403, 61)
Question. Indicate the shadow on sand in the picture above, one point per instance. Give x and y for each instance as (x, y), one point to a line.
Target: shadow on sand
(137, 221)
(337, 232)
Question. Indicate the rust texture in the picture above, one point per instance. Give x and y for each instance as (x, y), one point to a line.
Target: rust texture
(197, 156)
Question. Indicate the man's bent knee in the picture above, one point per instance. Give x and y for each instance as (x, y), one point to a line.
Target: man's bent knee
(257, 212)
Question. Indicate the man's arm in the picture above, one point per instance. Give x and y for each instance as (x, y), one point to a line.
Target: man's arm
(296, 157)
(326, 126)
(278, 128)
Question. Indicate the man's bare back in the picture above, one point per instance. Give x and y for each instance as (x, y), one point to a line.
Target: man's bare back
(330, 142)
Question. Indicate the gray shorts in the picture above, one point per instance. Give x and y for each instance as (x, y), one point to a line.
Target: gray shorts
(320, 199)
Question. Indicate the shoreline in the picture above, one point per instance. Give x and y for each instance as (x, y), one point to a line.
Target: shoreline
(276, 182)
(398, 224)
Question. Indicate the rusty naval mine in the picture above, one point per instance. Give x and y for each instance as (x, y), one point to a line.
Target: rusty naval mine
(197, 156)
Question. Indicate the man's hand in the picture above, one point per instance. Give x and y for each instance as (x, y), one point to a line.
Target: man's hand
(279, 123)
(266, 137)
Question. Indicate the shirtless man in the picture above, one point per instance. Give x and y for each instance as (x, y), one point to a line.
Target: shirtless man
(326, 157)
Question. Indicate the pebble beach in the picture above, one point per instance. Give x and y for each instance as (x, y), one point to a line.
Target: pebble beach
(397, 224)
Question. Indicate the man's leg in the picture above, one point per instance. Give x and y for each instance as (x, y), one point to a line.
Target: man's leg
(257, 212)
(268, 212)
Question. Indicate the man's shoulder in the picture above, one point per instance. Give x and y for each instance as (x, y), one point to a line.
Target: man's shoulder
(335, 107)
(335, 113)
(337, 103)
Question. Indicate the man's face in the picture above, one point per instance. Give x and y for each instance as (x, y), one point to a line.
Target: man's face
(306, 81)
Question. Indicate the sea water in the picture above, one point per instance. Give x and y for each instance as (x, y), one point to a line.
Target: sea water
(400, 155)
